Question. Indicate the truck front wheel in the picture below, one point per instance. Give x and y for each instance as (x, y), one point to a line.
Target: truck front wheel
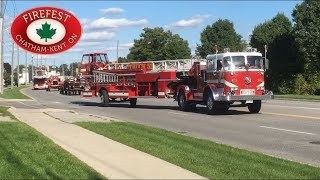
(255, 106)
(183, 104)
(104, 96)
(210, 104)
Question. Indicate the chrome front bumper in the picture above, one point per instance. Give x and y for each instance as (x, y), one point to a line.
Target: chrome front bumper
(243, 97)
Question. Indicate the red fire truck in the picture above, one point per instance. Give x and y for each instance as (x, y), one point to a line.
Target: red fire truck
(217, 82)
(40, 79)
(54, 82)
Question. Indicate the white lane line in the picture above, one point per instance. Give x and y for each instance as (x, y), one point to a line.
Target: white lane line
(287, 130)
(178, 113)
(296, 107)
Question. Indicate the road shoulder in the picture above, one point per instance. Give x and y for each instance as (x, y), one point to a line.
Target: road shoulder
(110, 158)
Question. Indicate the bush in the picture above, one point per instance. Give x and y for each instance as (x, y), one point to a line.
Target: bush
(298, 85)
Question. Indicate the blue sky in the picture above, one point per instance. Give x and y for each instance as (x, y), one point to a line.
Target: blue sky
(105, 22)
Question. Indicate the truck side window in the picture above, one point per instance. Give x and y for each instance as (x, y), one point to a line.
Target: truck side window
(219, 65)
(211, 64)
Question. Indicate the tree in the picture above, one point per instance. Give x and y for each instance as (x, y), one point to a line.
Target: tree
(7, 71)
(123, 60)
(307, 33)
(74, 68)
(157, 44)
(282, 51)
(64, 70)
(222, 34)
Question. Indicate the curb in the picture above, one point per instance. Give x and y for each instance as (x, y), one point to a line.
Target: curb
(22, 91)
(288, 99)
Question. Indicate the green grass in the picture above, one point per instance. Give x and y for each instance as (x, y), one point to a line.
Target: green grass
(204, 157)
(14, 93)
(4, 112)
(26, 154)
(300, 97)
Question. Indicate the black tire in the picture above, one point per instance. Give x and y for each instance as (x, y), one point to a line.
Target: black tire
(104, 98)
(210, 104)
(193, 107)
(255, 106)
(183, 104)
(133, 102)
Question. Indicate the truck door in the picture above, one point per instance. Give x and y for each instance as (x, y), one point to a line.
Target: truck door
(85, 64)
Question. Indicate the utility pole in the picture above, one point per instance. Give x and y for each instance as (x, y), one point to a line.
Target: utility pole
(71, 69)
(26, 68)
(12, 58)
(62, 68)
(2, 49)
(12, 61)
(18, 68)
(32, 70)
(117, 50)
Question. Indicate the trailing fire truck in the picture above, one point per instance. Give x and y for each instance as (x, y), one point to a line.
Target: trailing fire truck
(217, 82)
(71, 86)
(40, 79)
(54, 82)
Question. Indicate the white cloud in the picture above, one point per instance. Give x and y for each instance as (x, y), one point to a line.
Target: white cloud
(81, 44)
(128, 45)
(122, 47)
(192, 22)
(97, 36)
(76, 50)
(111, 11)
(112, 23)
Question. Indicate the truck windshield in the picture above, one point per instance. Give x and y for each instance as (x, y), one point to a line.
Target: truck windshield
(238, 62)
(255, 62)
(234, 62)
(39, 80)
(102, 58)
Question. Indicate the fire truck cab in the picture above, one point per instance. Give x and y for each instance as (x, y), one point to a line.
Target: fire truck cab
(93, 61)
(224, 79)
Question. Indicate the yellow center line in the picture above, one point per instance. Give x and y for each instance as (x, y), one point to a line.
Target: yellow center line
(291, 115)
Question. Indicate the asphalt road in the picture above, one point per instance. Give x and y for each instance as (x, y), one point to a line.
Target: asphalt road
(287, 129)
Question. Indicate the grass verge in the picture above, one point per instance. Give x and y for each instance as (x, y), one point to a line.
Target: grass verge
(4, 112)
(204, 157)
(26, 154)
(299, 97)
(14, 93)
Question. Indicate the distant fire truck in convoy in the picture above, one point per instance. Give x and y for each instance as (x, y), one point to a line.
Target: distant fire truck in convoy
(54, 82)
(217, 82)
(40, 79)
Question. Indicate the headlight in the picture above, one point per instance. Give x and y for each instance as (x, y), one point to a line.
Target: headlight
(234, 88)
(260, 88)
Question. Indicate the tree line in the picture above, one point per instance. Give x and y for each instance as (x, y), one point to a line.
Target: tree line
(292, 48)
(64, 69)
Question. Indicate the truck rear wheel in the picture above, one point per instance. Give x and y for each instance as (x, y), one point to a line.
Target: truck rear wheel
(255, 106)
(104, 96)
(183, 104)
(133, 102)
